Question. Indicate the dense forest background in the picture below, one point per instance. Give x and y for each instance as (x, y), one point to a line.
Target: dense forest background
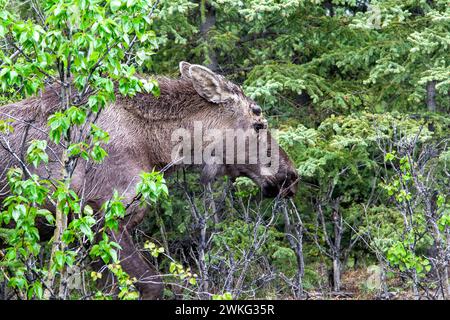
(360, 94)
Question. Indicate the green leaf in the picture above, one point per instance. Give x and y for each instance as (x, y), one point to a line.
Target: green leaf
(115, 5)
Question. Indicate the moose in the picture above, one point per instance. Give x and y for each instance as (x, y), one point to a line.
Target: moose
(140, 129)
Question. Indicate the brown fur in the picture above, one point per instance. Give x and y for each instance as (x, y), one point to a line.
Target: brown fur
(140, 131)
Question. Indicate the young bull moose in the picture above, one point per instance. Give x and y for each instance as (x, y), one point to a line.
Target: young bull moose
(141, 130)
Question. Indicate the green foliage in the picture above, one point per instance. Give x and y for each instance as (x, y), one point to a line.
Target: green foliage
(152, 186)
(225, 296)
(106, 250)
(401, 256)
(346, 83)
(92, 50)
(36, 152)
(245, 187)
(376, 57)
(23, 207)
(342, 80)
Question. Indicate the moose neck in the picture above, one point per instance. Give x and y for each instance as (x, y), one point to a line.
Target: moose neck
(178, 100)
(177, 107)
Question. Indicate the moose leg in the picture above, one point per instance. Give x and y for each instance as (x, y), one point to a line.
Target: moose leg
(149, 283)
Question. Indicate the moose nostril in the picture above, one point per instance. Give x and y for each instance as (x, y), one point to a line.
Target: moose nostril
(258, 126)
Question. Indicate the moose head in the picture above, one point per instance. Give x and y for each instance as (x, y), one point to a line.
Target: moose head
(229, 136)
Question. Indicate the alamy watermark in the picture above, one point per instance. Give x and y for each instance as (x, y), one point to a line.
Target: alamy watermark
(213, 146)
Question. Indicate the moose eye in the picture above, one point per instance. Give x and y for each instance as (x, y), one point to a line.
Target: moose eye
(256, 110)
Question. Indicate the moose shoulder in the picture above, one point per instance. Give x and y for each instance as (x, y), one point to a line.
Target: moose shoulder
(141, 138)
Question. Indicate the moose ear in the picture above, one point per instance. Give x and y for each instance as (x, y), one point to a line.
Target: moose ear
(209, 85)
(184, 69)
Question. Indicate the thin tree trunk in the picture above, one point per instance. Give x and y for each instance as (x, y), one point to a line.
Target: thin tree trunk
(301, 266)
(337, 221)
(60, 217)
(202, 258)
(383, 280)
(447, 268)
(329, 6)
(439, 243)
(295, 238)
(431, 96)
(208, 19)
(210, 204)
(336, 274)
